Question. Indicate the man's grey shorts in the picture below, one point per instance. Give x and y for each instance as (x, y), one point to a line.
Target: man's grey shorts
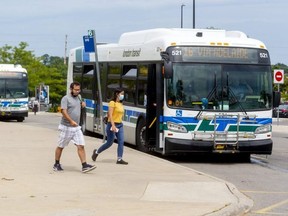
(68, 134)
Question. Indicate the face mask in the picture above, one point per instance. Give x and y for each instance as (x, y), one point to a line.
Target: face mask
(121, 97)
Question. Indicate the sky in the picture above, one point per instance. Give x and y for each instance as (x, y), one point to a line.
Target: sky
(44, 24)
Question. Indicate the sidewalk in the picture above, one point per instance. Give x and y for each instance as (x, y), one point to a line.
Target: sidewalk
(279, 127)
(147, 186)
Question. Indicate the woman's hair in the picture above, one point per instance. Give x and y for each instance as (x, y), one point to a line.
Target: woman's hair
(115, 93)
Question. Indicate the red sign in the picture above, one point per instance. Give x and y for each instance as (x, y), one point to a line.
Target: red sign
(278, 76)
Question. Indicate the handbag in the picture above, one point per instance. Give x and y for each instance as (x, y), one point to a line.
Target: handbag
(82, 112)
(105, 120)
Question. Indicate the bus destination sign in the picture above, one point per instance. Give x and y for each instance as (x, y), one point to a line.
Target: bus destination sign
(12, 75)
(219, 54)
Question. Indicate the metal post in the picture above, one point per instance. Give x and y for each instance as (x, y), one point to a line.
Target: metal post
(278, 106)
(39, 99)
(99, 85)
(182, 15)
(193, 14)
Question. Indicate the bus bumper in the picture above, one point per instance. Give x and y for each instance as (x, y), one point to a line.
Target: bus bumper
(8, 114)
(196, 146)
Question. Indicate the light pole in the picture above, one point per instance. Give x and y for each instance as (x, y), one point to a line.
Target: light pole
(182, 15)
(193, 14)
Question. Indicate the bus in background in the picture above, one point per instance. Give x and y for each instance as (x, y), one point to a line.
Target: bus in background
(186, 90)
(13, 92)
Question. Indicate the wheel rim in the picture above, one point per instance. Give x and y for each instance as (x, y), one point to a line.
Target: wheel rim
(142, 136)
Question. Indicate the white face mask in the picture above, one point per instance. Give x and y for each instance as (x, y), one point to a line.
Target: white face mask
(121, 97)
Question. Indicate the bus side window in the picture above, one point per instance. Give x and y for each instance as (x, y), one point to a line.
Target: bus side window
(129, 76)
(142, 88)
(129, 87)
(142, 98)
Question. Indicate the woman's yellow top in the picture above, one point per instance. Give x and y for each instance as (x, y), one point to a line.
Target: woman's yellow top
(118, 111)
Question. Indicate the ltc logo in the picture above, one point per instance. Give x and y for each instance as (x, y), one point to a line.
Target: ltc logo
(221, 124)
(178, 113)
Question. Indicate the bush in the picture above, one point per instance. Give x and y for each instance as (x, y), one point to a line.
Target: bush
(54, 108)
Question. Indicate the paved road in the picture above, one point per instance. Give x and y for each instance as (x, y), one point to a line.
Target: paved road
(264, 179)
(147, 186)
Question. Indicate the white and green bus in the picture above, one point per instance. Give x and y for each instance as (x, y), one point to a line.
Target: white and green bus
(13, 92)
(179, 93)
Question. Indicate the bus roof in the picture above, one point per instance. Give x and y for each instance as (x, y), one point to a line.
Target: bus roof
(12, 68)
(178, 36)
(147, 44)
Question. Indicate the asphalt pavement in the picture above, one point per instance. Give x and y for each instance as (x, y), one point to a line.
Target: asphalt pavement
(148, 185)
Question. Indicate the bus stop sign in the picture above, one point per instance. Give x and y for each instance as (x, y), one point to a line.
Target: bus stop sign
(88, 41)
(278, 76)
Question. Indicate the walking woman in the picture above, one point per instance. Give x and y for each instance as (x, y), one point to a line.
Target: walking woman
(114, 127)
(35, 106)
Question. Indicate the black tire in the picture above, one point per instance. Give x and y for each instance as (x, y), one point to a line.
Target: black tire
(245, 157)
(141, 136)
(20, 119)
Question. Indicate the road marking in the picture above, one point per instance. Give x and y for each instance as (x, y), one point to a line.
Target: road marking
(264, 192)
(269, 208)
(264, 163)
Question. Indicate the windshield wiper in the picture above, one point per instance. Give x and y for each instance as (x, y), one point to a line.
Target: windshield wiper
(234, 96)
(11, 95)
(229, 92)
(210, 94)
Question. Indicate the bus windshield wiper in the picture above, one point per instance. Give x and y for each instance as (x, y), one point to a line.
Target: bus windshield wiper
(210, 94)
(234, 96)
(11, 95)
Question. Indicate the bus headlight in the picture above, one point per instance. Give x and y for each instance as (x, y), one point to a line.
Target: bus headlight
(176, 127)
(263, 129)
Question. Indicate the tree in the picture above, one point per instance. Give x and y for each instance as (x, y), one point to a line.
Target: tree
(49, 70)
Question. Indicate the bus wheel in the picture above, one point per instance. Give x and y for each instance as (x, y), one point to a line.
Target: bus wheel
(140, 136)
(245, 157)
(20, 119)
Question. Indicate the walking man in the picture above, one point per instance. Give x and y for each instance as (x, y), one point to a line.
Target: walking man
(69, 128)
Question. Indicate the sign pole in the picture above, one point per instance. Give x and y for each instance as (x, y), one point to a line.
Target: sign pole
(278, 79)
(39, 99)
(278, 107)
(92, 33)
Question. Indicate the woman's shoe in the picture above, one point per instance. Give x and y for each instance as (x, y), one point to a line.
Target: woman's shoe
(121, 162)
(94, 155)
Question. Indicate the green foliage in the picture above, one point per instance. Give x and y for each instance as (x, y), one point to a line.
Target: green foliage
(49, 70)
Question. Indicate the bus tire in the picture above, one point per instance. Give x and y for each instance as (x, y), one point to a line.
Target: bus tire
(20, 119)
(140, 136)
(245, 157)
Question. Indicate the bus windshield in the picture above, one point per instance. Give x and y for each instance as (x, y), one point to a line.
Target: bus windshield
(220, 87)
(13, 88)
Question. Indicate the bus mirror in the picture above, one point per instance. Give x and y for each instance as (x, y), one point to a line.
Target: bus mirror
(168, 69)
(276, 98)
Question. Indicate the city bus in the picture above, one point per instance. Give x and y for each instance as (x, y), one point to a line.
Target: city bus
(13, 92)
(179, 90)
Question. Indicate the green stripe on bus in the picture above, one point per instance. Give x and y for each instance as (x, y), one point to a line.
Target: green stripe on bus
(209, 128)
(246, 128)
(206, 126)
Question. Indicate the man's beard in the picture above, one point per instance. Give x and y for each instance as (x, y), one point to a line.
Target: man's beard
(74, 94)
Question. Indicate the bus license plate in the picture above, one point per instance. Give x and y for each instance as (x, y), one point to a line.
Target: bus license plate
(220, 146)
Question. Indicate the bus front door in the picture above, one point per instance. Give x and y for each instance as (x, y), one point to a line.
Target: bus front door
(154, 106)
